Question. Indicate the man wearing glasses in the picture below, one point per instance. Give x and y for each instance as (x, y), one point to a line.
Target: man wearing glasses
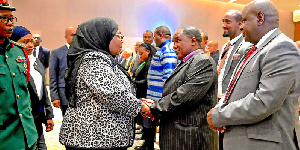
(57, 68)
(17, 129)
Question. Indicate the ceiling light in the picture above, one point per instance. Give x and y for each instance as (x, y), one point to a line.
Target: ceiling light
(231, 1)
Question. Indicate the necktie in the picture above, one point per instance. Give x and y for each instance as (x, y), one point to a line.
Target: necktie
(224, 57)
(238, 73)
(139, 60)
(34, 52)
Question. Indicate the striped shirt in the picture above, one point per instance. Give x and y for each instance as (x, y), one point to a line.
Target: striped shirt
(162, 65)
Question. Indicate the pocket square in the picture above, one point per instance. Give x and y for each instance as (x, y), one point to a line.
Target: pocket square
(236, 56)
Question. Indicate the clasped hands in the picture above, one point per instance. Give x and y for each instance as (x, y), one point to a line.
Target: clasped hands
(210, 123)
(146, 108)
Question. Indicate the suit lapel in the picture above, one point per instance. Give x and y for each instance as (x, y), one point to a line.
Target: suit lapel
(265, 43)
(182, 64)
(32, 84)
(234, 50)
(40, 52)
(65, 50)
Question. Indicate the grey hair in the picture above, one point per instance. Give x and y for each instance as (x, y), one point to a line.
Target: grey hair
(191, 31)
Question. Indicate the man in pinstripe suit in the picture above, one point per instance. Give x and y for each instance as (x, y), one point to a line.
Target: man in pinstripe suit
(187, 95)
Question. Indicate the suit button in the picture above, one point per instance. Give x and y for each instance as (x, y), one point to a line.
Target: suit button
(20, 115)
(14, 74)
(18, 96)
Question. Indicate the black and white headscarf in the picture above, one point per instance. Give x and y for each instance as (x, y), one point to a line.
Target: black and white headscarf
(92, 35)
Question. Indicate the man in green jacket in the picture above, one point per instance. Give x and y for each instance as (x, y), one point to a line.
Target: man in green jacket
(17, 129)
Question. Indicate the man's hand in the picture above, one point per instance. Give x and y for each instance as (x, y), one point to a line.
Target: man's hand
(146, 111)
(50, 125)
(210, 123)
(56, 103)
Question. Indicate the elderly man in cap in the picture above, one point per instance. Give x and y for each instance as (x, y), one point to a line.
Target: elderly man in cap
(260, 106)
(17, 129)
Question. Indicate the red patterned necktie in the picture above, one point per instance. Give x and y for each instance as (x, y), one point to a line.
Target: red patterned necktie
(238, 73)
(224, 57)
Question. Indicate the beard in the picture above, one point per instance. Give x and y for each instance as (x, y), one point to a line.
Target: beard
(226, 34)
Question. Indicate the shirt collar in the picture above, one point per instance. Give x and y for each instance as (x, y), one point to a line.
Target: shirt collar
(264, 38)
(68, 45)
(164, 43)
(234, 40)
(190, 55)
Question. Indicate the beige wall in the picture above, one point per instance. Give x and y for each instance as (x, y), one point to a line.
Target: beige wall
(51, 17)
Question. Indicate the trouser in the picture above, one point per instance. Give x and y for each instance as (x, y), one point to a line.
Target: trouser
(221, 137)
(72, 148)
(41, 144)
(148, 135)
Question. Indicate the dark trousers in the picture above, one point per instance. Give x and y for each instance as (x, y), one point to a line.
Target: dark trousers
(72, 148)
(148, 135)
(221, 137)
(41, 144)
(63, 109)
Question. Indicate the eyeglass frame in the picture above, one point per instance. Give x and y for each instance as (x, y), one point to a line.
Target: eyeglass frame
(11, 19)
(120, 36)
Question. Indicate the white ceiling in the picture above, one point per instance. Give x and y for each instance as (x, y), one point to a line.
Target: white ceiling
(280, 4)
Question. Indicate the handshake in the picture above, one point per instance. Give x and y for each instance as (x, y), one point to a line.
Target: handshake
(146, 108)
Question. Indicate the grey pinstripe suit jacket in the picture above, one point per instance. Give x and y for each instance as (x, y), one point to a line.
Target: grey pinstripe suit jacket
(187, 96)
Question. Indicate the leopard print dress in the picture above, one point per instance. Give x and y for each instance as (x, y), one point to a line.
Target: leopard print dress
(105, 107)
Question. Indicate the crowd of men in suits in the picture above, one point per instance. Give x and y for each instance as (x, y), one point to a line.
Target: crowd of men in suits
(258, 86)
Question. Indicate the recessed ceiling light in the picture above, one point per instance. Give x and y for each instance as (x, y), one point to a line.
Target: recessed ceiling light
(231, 1)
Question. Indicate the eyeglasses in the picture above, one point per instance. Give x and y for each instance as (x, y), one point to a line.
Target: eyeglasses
(6, 19)
(120, 36)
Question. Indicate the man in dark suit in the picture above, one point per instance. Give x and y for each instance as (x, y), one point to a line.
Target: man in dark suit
(212, 47)
(58, 65)
(42, 53)
(187, 95)
(260, 106)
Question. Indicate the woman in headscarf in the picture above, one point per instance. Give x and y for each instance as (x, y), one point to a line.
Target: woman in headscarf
(40, 103)
(102, 105)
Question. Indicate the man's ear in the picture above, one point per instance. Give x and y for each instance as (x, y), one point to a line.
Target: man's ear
(193, 41)
(260, 18)
(161, 35)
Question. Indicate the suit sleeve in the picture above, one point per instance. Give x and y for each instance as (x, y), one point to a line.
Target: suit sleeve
(47, 56)
(279, 70)
(99, 76)
(53, 69)
(199, 78)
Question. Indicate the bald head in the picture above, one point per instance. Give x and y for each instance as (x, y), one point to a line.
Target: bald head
(136, 46)
(161, 34)
(212, 46)
(69, 33)
(37, 39)
(148, 37)
(298, 43)
(259, 17)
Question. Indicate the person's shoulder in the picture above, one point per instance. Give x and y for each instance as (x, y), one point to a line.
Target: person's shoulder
(45, 49)
(60, 48)
(17, 45)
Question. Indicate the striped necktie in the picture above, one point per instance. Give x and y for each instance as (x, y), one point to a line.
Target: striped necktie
(224, 57)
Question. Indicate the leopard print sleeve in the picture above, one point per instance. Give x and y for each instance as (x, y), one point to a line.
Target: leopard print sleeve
(108, 84)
